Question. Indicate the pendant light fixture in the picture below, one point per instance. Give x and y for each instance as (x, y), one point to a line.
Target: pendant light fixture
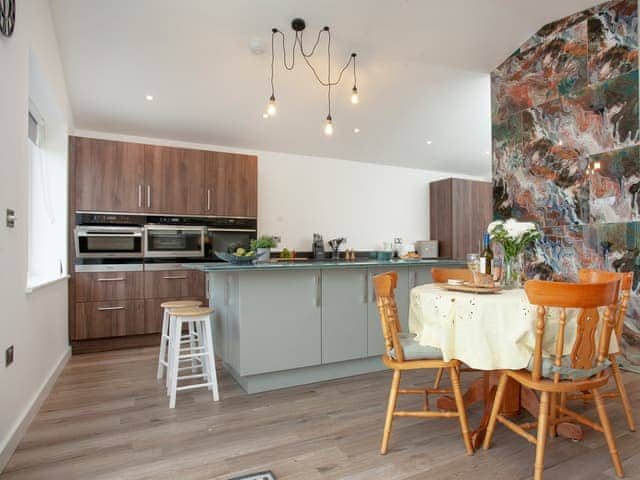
(298, 25)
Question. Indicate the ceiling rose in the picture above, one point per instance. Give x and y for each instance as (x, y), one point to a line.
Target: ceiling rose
(298, 25)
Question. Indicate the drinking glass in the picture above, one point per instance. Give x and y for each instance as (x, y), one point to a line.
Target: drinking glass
(473, 262)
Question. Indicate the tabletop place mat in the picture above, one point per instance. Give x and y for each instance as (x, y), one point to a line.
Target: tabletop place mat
(469, 288)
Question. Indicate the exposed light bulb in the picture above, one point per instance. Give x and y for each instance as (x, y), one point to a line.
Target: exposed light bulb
(596, 165)
(354, 95)
(328, 126)
(271, 107)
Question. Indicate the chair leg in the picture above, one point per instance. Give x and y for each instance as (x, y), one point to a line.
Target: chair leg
(436, 384)
(608, 433)
(464, 426)
(553, 431)
(162, 356)
(617, 376)
(393, 397)
(495, 409)
(543, 427)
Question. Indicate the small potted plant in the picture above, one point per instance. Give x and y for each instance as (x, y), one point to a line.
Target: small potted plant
(262, 246)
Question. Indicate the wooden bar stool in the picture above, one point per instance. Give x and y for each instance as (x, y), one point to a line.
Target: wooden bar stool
(164, 335)
(199, 319)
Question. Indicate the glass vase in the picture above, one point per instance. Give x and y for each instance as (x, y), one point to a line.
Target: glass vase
(512, 273)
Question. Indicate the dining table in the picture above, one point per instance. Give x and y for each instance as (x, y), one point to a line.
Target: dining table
(489, 332)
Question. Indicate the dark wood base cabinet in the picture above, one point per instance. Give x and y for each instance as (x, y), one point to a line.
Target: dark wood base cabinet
(117, 305)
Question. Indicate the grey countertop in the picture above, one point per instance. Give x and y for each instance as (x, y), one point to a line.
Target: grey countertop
(317, 264)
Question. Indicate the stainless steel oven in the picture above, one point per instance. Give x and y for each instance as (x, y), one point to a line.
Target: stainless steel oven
(106, 241)
(178, 241)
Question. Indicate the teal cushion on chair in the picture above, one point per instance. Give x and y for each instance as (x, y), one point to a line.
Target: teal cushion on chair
(565, 370)
(414, 351)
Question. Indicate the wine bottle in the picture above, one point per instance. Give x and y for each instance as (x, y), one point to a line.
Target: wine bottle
(486, 257)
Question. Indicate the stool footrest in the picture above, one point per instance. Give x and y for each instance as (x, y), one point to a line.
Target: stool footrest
(198, 385)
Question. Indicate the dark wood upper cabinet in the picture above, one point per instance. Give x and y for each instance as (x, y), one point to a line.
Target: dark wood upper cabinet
(174, 180)
(126, 177)
(109, 176)
(231, 185)
(459, 212)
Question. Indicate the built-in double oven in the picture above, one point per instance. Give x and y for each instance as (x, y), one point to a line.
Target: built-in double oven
(105, 236)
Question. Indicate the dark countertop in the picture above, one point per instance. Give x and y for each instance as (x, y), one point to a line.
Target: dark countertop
(317, 264)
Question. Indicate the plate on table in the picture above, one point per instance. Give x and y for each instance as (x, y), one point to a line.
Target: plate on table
(470, 288)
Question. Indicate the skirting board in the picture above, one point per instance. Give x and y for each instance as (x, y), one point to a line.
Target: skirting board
(302, 376)
(43, 393)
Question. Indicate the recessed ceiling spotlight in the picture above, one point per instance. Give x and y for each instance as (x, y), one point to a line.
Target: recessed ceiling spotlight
(256, 45)
(429, 142)
(148, 97)
(487, 153)
(265, 115)
(356, 130)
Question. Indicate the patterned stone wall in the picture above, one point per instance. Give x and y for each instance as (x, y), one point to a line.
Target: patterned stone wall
(564, 102)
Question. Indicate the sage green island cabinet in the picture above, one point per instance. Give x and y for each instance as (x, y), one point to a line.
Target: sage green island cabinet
(280, 324)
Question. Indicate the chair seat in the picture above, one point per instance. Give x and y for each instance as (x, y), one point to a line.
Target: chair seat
(414, 351)
(565, 370)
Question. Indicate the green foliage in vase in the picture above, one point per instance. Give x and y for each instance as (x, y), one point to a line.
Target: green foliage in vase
(514, 236)
(264, 241)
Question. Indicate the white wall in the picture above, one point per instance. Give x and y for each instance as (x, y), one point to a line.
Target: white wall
(299, 195)
(35, 323)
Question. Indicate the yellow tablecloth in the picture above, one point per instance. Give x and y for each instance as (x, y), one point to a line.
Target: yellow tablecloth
(485, 331)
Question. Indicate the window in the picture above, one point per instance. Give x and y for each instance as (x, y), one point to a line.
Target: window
(47, 156)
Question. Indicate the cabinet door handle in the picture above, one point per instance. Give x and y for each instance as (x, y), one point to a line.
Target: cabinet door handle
(174, 277)
(104, 309)
(116, 279)
(208, 199)
(414, 278)
(148, 196)
(318, 290)
(140, 196)
(226, 290)
(366, 288)
(373, 290)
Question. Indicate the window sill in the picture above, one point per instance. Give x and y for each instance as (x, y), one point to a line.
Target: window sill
(38, 284)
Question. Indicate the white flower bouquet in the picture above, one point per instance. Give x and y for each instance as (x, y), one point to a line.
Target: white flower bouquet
(513, 236)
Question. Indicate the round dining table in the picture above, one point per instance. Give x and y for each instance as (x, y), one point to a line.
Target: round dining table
(488, 332)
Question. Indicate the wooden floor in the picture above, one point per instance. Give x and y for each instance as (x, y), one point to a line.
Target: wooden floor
(107, 418)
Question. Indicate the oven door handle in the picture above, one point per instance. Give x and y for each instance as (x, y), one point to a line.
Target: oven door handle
(248, 230)
(109, 235)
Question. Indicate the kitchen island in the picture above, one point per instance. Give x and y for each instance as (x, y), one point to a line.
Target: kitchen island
(280, 324)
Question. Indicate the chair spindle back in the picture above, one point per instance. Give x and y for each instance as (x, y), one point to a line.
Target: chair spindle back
(385, 285)
(587, 352)
(626, 282)
(442, 275)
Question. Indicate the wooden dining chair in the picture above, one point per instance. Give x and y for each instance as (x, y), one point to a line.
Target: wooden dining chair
(584, 369)
(626, 281)
(442, 275)
(405, 353)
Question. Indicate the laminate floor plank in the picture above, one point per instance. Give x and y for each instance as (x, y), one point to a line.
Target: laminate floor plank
(107, 418)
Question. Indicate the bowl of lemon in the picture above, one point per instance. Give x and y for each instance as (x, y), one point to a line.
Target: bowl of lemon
(240, 255)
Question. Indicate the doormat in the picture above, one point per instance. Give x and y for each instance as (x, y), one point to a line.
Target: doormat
(257, 476)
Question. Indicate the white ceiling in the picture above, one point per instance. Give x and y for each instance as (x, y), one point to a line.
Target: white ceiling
(423, 73)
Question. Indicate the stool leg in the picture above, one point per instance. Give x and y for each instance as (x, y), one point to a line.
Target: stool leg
(164, 339)
(192, 345)
(170, 344)
(175, 359)
(211, 358)
(199, 328)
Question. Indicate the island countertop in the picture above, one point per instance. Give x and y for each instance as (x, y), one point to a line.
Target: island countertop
(318, 264)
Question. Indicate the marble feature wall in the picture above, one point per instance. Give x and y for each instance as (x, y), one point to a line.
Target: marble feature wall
(565, 101)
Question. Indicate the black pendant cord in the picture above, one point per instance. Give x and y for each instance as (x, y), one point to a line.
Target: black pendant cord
(297, 41)
(329, 73)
